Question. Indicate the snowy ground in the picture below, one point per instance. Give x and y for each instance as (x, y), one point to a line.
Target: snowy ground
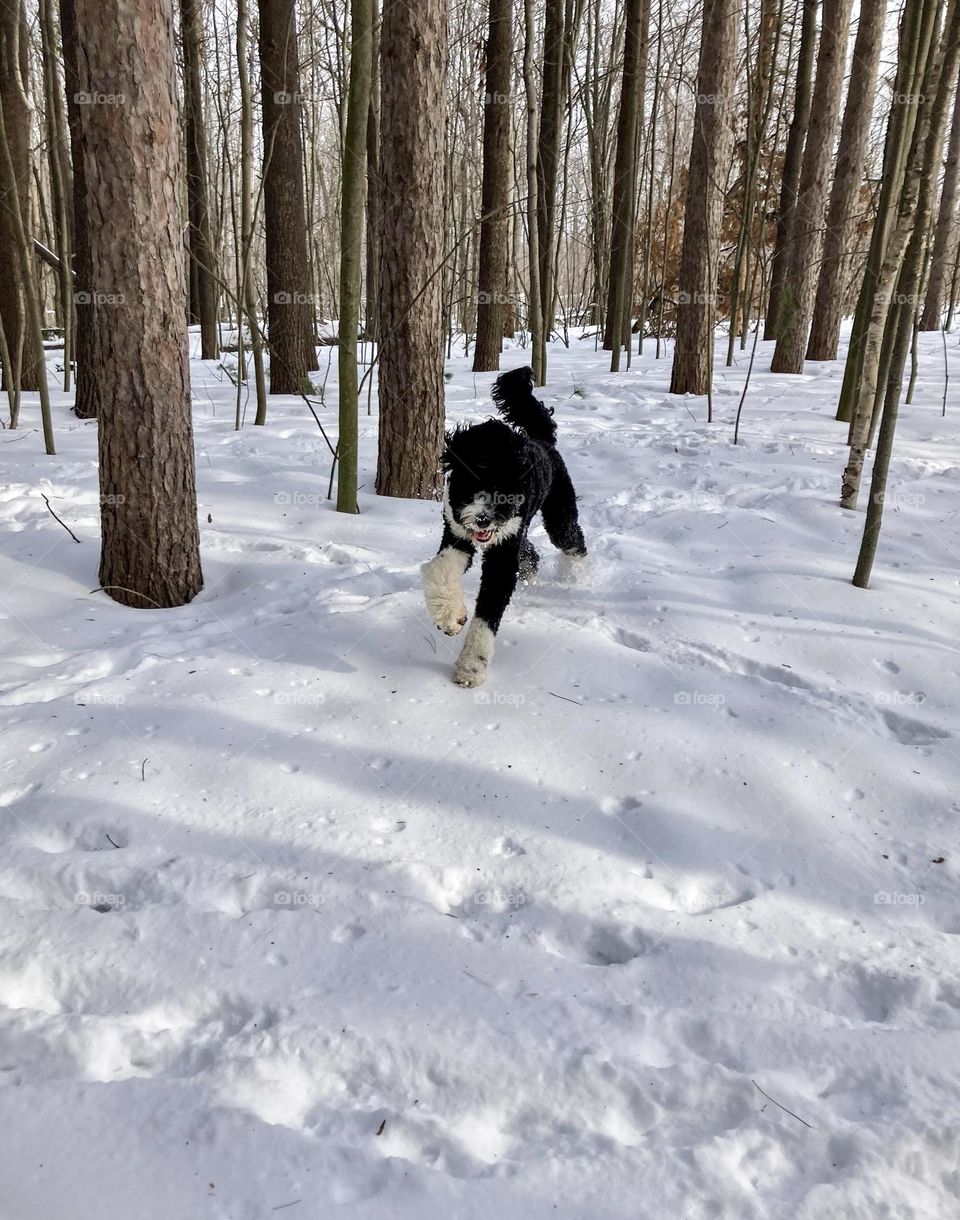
(291, 924)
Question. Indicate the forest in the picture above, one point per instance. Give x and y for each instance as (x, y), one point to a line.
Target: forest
(647, 924)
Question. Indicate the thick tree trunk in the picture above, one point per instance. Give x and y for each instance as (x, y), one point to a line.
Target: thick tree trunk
(792, 163)
(289, 300)
(15, 102)
(372, 287)
(131, 147)
(620, 278)
(710, 151)
(945, 236)
(351, 243)
(203, 279)
(495, 190)
(799, 282)
(87, 400)
(847, 180)
(413, 54)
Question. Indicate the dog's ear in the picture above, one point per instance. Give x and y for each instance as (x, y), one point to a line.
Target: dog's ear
(448, 457)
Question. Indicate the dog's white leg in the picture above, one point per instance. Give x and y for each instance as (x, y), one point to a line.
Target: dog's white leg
(475, 656)
(442, 590)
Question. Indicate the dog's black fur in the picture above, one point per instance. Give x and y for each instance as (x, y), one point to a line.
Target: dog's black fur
(499, 476)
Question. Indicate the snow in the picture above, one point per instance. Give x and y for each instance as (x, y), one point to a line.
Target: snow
(291, 924)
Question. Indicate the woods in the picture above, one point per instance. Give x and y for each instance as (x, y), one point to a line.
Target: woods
(469, 175)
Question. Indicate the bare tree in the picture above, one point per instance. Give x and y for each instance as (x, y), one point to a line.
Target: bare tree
(413, 52)
(495, 194)
(710, 149)
(847, 181)
(289, 298)
(150, 552)
(799, 280)
(945, 233)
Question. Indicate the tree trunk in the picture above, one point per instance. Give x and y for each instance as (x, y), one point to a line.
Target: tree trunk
(87, 400)
(413, 53)
(371, 307)
(58, 161)
(620, 278)
(944, 238)
(247, 303)
(495, 191)
(710, 151)
(847, 180)
(792, 164)
(203, 279)
(538, 343)
(289, 300)
(150, 553)
(887, 338)
(15, 102)
(362, 15)
(800, 278)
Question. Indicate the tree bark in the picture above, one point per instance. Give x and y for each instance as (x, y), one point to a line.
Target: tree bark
(792, 163)
(413, 53)
(800, 278)
(15, 102)
(495, 190)
(353, 175)
(847, 180)
(944, 238)
(289, 299)
(710, 151)
(130, 137)
(87, 399)
(203, 276)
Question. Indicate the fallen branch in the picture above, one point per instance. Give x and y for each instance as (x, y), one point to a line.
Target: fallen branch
(783, 1108)
(56, 518)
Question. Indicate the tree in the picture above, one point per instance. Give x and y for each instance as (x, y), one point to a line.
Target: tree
(289, 299)
(15, 288)
(847, 181)
(799, 280)
(203, 280)
(792, 163)
(495, 192)
(413, 53)
(362, 14)
(130, 138)
(87, 399)
(620, 279)
(710, 149)
(945, 233)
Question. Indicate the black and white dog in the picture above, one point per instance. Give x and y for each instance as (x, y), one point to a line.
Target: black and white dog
(499, 476)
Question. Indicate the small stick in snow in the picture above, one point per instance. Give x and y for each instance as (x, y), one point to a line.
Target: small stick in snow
(381, 1127)
(783, 1108)
(575, 702)
(56, 518)
(281, 1206)
(112, 844)
(143, 770)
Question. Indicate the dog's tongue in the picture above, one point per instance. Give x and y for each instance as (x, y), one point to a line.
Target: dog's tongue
(482, 535)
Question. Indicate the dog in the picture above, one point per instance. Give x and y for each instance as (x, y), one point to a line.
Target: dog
(498, 476)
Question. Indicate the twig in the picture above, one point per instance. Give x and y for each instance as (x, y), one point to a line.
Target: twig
(783, 1108)
(124, 589)
(281, 1206)
(143, 770)
(112, 844)
(946, 373)
(56, 518)
(575, 702)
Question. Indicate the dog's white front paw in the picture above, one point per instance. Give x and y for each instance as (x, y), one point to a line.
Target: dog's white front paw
(442, 591)
(474, 660)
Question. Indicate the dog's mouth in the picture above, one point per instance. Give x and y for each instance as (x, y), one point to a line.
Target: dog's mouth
(481, 535)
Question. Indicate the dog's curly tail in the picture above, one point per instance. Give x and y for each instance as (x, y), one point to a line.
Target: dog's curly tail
(513, 394)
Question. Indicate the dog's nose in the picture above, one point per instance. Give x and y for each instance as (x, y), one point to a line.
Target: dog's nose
(482, 519)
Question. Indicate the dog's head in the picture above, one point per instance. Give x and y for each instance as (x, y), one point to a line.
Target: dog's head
(484, 496)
